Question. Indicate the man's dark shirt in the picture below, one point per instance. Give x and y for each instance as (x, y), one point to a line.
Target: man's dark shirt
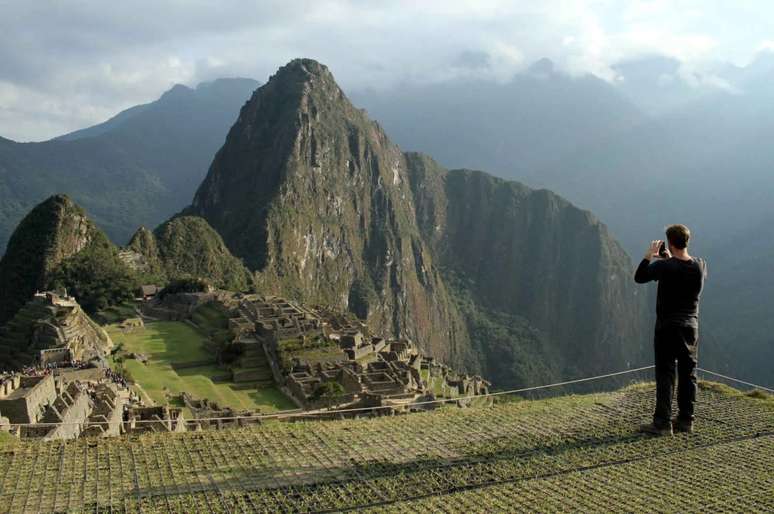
(679, 287)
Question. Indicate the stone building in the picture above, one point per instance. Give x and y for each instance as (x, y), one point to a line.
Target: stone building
(61, 407)
(51, 329)
(24, 399)
(155, 419)
(328, 359)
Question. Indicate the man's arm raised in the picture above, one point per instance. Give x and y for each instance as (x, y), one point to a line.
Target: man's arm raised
(649, 268)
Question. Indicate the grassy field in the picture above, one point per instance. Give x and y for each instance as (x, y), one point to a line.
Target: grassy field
(170, 344)
(568, 454)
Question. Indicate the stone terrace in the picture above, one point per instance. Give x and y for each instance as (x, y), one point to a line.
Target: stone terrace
(570, 454)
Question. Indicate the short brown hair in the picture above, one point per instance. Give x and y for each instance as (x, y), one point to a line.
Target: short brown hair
(678, 236)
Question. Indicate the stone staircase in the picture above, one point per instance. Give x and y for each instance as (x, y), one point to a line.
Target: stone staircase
(252, 366)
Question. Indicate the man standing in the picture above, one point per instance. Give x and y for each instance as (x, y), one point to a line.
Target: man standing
(680, 281)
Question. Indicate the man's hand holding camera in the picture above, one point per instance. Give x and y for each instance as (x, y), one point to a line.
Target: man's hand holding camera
(657, 250)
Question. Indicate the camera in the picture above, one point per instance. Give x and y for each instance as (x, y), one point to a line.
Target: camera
(662, 251)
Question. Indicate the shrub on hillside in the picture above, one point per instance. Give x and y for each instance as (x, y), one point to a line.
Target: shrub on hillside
(186, 285)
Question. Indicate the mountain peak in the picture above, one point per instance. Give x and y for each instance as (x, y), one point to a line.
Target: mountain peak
(176, 91)
(305, 66)
(303, 75)
(542, 67)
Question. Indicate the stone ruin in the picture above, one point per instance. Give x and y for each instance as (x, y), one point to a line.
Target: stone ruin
(178, 306)
(55, 407)
(322, 358)
(161, 418)
(208, 414)
(52, 329)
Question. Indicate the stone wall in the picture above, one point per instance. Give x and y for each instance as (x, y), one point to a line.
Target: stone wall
(74, 417)
(27, 403)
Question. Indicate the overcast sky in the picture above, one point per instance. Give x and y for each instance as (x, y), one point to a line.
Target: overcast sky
(65, 64)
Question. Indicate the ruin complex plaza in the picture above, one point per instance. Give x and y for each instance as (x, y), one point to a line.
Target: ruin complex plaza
(322, 360)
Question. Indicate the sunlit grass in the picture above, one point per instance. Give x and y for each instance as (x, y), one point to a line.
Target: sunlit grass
(170, 344)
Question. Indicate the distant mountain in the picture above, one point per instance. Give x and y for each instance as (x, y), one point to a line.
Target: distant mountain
(137, 168)
(510, 129)
(738, 329)
(708, 164)
(483, 273)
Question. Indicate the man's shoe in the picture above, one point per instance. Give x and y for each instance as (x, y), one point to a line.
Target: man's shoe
(653, 429)
(682, 426)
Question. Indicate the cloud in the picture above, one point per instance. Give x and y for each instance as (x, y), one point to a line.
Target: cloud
(65, 65)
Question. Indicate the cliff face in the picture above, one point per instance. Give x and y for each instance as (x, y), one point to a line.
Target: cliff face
(534, 255)
(312, 195)
(53, 231)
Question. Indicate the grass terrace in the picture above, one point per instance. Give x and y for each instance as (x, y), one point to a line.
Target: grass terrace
(567, 454)
(180, 360)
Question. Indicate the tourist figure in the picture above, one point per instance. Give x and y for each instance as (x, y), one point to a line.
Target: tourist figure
(680, 280)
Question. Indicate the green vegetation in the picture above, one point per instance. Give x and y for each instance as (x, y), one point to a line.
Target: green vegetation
(7, 440)
(515, 353)
(328, 392)
(179, 361)
(116, 313)
(57, 247)
(567, 454)
(186, 285)
(189, 247)
(313, 351)
(212, 319)
(96, 277)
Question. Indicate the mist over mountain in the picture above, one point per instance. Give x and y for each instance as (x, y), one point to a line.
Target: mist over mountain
(509, 129)
(137, 168)
(485, 274)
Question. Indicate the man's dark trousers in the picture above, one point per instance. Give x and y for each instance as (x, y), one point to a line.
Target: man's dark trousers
(675, 344)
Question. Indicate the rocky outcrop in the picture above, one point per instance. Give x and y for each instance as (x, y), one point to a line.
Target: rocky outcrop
(482, 273)
(530, 253)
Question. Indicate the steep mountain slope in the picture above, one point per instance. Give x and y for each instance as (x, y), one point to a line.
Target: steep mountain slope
(56, 246)
(315, 198)
(509, 129)
(535, 255)
(136, 169)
